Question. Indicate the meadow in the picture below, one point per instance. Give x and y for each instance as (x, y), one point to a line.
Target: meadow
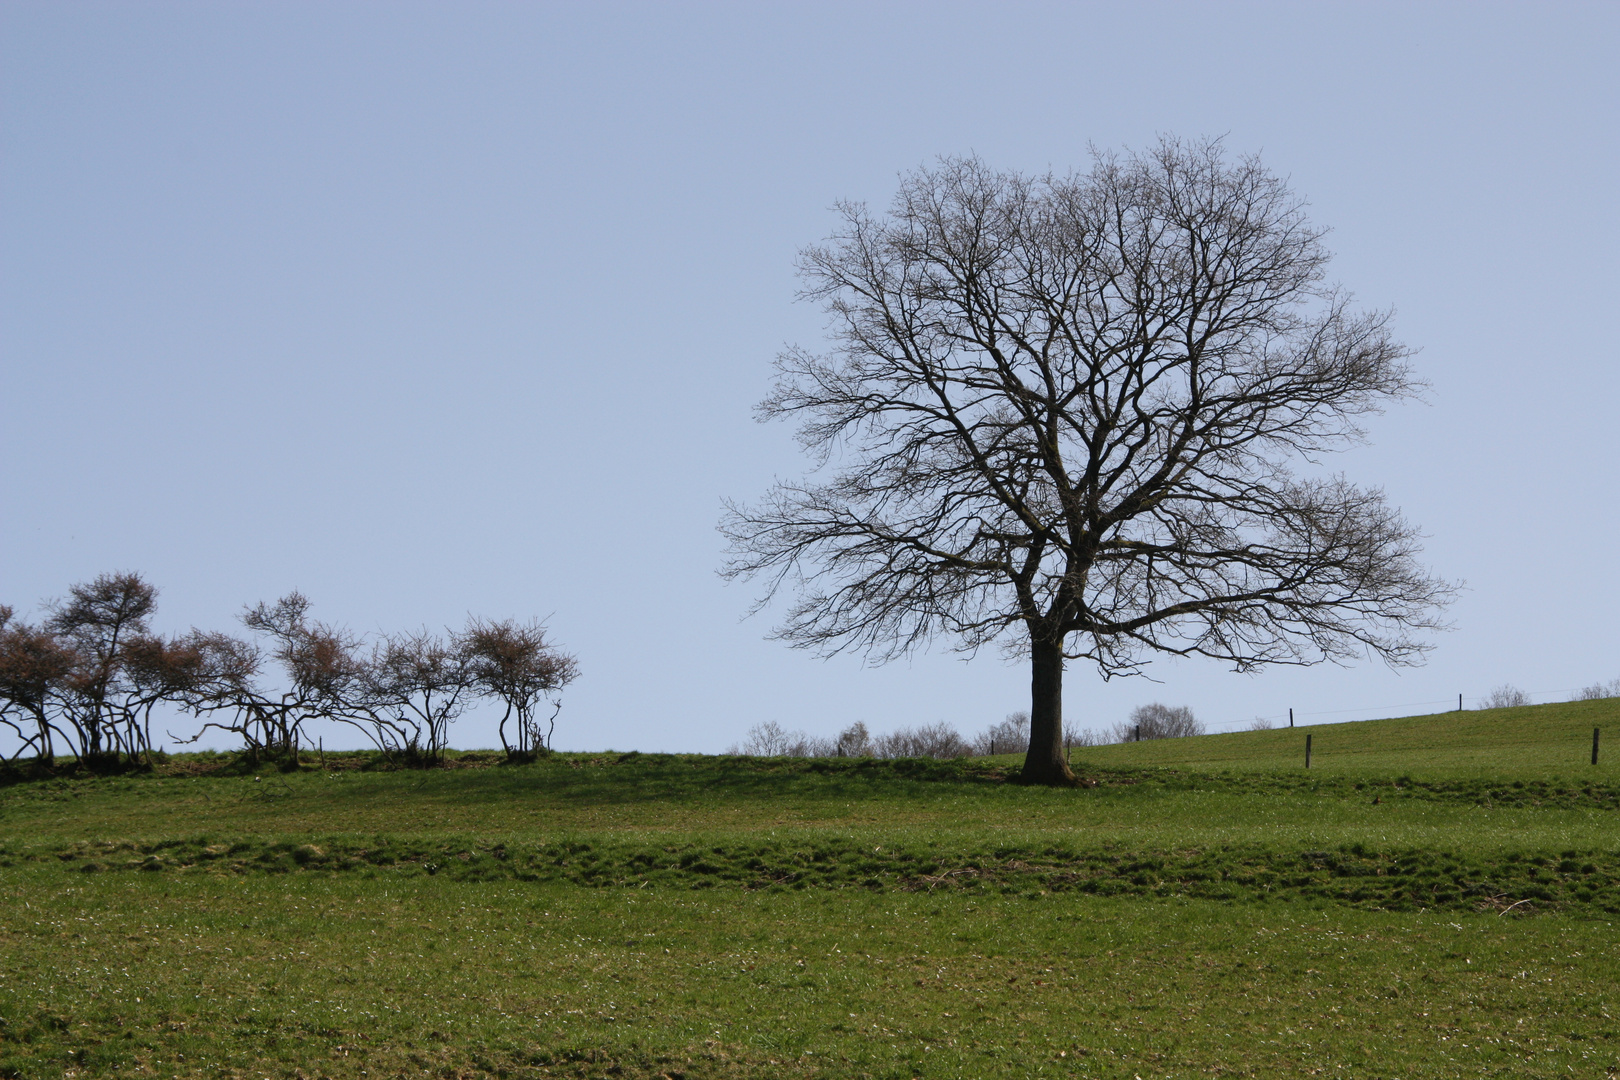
(1434, 897)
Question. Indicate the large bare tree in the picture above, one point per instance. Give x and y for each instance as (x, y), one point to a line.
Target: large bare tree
(1065, 414)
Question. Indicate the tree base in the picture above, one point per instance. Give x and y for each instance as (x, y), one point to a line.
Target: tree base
(1048, 772)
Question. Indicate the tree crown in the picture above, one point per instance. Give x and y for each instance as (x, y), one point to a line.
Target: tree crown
(1075, 404)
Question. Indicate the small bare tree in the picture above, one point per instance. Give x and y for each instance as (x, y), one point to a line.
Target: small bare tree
(1156, 721)
(513, 662)
(1077, 737)
(90, 679)
(423, 683)
(33, 666)
(770, 739)
(937, 740)
(12, 714)
(1011, 736)
(854, 741)
(213, 677)
(1506, 696)
(1061, 414)
(1599, 691)
(92, 676)
(163, 671)
(325, 677)
(765, 739)
(99, 623)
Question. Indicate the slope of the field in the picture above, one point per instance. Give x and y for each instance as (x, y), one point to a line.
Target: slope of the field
(1533, 742)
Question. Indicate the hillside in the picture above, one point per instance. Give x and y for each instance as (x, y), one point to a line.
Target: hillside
(1532, 742)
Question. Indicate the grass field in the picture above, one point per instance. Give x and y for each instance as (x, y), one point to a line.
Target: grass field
(1436, 897)
(1537, 742)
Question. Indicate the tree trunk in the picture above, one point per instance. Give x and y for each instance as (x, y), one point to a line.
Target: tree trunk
(1044, 764)
(507, 715)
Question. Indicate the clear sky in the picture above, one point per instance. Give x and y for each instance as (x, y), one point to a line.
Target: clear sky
(428, 309)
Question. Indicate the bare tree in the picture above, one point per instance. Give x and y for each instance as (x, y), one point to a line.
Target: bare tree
(854, 741)
(1073, 737)
(99, 622)
(160, 671)
(1506, 696)
(513, 661)
(92, 675)
(938, 740)
(423, 683)
(1261, 723)
(771, 739)
(765, 739)
(1011, 736)
(33, 665)
(326, 677)
(12, 713)
(1061, 414)
(1599, 691)
(213, 676)
(1156, 721)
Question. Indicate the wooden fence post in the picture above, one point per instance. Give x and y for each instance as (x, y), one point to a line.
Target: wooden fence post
(1594, 745)
(1307, 749)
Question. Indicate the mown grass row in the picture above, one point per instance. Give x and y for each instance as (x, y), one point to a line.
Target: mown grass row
(1577, 882)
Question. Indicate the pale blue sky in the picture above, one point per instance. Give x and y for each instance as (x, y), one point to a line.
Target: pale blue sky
(433, 308)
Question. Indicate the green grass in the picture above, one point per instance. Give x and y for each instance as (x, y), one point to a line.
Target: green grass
(252, 976)
(1434, 898)
(1534, 742)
